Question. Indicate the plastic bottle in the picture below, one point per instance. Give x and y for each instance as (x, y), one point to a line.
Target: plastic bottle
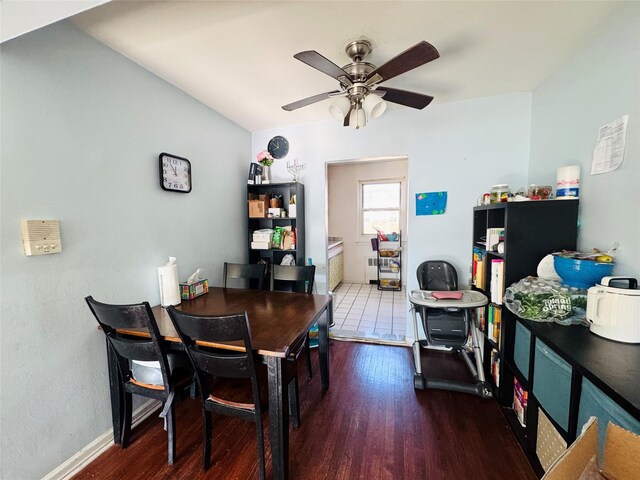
(568, 182)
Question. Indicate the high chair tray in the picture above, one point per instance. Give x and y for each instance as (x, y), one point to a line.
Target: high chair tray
(469, 299)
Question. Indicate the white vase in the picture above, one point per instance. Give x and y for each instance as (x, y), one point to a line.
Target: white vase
(266, 174)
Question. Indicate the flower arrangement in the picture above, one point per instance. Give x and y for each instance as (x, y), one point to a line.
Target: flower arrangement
(264, 158)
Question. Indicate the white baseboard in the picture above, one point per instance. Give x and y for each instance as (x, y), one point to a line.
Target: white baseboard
(85, 456)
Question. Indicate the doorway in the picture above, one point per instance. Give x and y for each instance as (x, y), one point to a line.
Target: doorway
(361, 310)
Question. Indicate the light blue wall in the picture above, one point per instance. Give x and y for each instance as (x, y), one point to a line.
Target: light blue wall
(599, 84)
(462, 147)
(82, 128)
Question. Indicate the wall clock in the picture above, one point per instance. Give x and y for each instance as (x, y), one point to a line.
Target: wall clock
(278, 147)
(175, 173)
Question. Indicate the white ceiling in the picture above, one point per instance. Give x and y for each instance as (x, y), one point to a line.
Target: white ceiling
(237, 57)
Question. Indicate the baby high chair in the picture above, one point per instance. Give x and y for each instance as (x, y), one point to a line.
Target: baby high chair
(446, 317)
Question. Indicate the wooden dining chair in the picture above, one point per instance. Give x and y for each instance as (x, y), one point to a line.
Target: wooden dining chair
(114, 319)
(295, 278)
(211, 364)
(250, 275)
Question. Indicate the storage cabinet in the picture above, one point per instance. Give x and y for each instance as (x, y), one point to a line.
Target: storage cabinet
(509, 240)
(258, 198)
(336, 264)
(390, 264)
(575, 375)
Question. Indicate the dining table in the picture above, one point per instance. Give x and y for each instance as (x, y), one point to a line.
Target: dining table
(279, 322)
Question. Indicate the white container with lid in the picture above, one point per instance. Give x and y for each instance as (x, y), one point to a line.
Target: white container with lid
(497, 192)
(568, 182)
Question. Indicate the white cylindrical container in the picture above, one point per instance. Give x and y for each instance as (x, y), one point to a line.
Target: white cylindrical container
(568, 182)
(169, 284)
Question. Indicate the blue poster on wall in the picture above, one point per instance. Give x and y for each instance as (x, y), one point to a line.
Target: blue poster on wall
(431, 203)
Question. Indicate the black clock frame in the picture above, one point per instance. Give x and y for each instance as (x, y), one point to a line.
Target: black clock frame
(280, 152)
(161, 171)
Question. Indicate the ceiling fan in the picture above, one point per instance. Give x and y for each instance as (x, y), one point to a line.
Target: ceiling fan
(360, 95)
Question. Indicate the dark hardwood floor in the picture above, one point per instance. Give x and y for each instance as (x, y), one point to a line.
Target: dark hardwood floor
(370, 424)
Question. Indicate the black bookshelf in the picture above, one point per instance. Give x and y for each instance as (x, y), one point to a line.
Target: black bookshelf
(286, 191)
(532, 230)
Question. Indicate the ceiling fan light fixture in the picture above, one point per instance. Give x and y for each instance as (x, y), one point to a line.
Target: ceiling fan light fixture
(340, 108)
(358, 118)
(374, 106)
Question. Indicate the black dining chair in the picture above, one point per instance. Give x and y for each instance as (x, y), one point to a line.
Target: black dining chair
(115, 320)
(240, 273)
(213, 364)
(295, 278)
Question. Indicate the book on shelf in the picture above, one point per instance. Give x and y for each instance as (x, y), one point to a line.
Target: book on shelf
(520, 401)
(478, 268)
(495, 366)
(494, 237)
(494, 323)
(480, 318)
(497, 280)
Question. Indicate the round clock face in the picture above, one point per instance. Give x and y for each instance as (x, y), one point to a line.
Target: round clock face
(175, 173)
(278, 147)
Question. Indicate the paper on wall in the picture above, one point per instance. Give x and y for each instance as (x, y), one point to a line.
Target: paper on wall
(609, 151)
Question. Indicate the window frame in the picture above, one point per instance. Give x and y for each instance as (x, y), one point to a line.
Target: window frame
(375, 181)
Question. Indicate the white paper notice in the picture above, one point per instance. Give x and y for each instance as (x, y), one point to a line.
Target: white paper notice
(609, 151)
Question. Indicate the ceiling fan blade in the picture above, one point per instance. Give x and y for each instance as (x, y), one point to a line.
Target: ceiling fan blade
(403, 97)
(419, 54)
(317, 61)
(308, 101)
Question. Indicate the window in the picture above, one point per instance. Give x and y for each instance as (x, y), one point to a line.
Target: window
(381, 202)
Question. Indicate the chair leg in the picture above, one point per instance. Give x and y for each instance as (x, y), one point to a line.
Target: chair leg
(294, 404)
(260, 441)
(206, 459)
(308, 353)
(171, 433)
(126, 420)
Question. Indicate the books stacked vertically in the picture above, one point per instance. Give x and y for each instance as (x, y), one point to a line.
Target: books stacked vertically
(494, 237)
(494, 324)
(478, 268)
(497, 280)
(520, 400)
(255, 170)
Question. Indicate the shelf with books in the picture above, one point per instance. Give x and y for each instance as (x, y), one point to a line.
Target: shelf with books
(509, 240)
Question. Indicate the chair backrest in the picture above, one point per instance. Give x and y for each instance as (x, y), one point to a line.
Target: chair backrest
(245, 272)
(131, 347)
(294, 278)
(437, 275)
(216, 362)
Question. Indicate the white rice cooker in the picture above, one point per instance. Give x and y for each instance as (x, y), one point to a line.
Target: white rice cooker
(613, 309)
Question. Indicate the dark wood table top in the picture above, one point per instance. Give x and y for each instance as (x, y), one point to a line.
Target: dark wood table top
(277, 319)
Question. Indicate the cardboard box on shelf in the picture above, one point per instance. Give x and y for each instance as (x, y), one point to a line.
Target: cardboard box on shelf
(260, 245)
(621, 456)
(258, 205)
(262, 235)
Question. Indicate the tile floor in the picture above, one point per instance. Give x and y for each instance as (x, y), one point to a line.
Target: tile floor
(361, 311)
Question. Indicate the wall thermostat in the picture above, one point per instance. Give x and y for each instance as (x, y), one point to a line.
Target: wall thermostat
(41, 237)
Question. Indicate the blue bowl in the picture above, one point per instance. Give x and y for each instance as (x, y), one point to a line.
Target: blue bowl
(581, 273)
